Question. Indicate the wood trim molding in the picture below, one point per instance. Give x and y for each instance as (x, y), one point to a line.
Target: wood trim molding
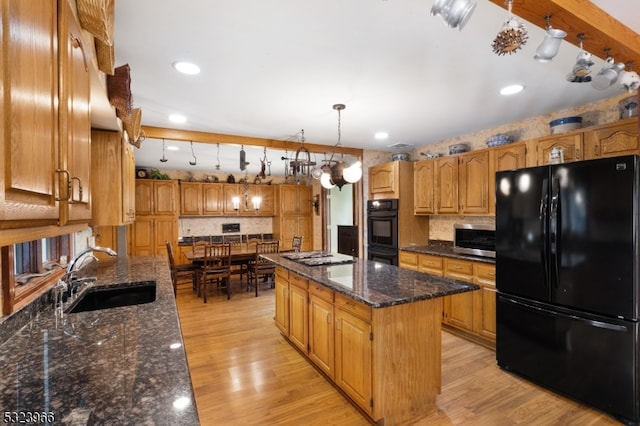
(601, 30)
(204, 137)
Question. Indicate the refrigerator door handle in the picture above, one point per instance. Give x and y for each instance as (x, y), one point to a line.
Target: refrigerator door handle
(544, 220)
(598, 324)
(554, 230)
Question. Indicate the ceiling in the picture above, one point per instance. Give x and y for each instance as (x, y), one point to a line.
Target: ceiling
(273, 67)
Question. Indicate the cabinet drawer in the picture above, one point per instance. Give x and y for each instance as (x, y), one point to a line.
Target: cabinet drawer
(356, 308)
(321, 291)
(484, 273)
(430, 264)
(408, 260)
(458, 269)
(282, 273)
(298, 281)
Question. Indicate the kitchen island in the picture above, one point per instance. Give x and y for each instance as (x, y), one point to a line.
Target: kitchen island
(122, 365)
(372, 329)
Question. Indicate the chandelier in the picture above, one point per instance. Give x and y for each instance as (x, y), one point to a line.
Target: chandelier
(339, 174)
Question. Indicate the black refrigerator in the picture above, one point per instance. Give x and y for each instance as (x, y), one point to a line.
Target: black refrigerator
(567, 280)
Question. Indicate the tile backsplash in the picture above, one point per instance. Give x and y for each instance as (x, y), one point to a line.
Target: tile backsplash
(201, 226)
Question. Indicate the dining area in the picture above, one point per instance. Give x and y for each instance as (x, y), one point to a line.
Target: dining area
(218, 263)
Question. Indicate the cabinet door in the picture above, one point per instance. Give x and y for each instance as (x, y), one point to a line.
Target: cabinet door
(165, 197)
(298, 315)
(29, 94)
(282, 303)
(382, 178)
(458, 310)
(288, 200)
(423, 187)
(447, 185)
(353, 355)
(128, 184)
(212, 202)
(612, 140)
(484, 274)
(508, 157)
(190, 199)
(74, 118)
(473, 182)
(166, 229)
(142, 241)
(321, 333)
(571, 145)
(144, 197)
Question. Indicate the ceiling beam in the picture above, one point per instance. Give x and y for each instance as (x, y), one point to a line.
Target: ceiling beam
(213, 138)
(601, 30)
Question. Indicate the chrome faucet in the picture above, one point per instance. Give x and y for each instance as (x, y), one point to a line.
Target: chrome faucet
(68, 279)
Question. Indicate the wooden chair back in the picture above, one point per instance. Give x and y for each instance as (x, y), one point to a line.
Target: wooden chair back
(296, 244)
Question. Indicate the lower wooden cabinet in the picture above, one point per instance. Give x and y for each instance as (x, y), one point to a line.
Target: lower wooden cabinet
(386, 362)
(472, 313)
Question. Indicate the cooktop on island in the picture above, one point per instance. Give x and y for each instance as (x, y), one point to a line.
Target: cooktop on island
(319, 258)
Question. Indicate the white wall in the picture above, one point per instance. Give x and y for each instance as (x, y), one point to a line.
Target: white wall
(340, 212)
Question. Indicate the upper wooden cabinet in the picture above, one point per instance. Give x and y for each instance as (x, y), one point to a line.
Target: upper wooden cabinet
(113, 160)
(190, 199)
(383, 179)
(610, 140)
(447, 184)
(424, 187)
(571, 144)
(507, 157)
(295, 200)
(46, 137)
(156, 197)
(29, 96)
(473, 182)
(74, 118)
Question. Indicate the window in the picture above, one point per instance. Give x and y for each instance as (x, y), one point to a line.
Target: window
(35, 256)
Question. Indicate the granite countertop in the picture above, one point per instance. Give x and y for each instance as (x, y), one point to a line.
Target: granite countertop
(376, 284)
(445, 248)
(122, 365)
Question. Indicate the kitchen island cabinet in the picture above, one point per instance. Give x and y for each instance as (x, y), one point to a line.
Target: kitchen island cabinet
(373, 330)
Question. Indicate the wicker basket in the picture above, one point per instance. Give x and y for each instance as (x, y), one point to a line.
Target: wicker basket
(96, 16)
(119, 90)
(132, 125)
(106, 57)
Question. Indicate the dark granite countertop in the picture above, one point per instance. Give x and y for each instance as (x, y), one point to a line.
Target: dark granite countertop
(115, 366)
(376, 284)
(445, 248)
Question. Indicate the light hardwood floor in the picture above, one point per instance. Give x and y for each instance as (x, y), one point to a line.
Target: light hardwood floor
(245, 373)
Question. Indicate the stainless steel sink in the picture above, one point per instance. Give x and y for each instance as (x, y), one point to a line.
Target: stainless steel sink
(127, 294)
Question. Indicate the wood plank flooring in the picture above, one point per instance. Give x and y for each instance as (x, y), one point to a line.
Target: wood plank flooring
(245, 373)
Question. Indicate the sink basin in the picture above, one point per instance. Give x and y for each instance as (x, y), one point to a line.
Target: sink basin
(128, 294)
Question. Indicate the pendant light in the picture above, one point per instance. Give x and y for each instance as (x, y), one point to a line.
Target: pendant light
(339, 174)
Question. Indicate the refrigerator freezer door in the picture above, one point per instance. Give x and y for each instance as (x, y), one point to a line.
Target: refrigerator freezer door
(591, 359)
(522, 198)
(592, 227)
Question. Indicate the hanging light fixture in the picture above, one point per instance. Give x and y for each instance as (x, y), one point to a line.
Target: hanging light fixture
(339, 174)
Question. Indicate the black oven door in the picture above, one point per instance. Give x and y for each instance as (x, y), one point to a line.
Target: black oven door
(383, 228)
(382, 254)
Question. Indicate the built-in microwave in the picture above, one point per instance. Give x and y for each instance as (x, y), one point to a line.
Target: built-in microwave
(478, 240)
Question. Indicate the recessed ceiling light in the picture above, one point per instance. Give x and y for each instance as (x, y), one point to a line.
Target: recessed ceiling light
(186, 67)
(511, 89)
(177, 118)
(173, 148)
(381, 135)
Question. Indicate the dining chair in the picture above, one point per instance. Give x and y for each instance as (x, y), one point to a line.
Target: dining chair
(237, 244)
(259, 267)
(215, 269)
(178, 271)
(296, 244)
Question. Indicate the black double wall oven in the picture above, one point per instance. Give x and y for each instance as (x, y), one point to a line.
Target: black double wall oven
(382, 231)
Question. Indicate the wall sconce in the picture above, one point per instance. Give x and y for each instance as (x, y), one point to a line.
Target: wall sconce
(316, 204)
(236, 203)
(256, 202)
